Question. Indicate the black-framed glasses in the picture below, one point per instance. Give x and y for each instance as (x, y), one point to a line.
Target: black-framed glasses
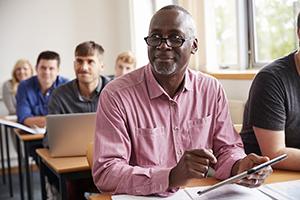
(171, 41)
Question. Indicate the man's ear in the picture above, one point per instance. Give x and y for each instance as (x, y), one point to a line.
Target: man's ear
(194, 46)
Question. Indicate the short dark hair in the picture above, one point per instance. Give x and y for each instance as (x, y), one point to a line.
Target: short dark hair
(88, 49)
(48, 55)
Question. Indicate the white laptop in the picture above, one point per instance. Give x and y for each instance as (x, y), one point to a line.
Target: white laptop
(70, 134)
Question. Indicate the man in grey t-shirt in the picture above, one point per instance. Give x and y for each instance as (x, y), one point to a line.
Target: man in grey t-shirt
(80, 96)
(271, 118)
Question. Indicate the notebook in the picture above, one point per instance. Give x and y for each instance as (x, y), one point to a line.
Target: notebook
(70, 134)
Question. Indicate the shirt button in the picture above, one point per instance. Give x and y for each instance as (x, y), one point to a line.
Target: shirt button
(179, 153)
(176, 128)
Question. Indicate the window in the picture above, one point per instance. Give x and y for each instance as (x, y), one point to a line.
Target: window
(142, 13)
(273, 29)
(226, 33)
(232, 34)
(251, 33)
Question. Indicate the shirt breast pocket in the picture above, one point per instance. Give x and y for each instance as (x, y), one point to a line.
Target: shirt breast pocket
(199, 132)
(150, 146)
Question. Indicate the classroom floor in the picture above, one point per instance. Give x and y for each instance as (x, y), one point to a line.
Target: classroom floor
(4, 190)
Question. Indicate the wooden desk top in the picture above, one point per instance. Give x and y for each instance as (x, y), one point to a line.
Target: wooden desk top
(277, 176)
(28, 136)
(64, 164)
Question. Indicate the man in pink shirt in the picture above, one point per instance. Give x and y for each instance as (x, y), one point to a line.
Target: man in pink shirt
(164, 124)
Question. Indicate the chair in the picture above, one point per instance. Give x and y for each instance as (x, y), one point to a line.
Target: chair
(89, 153)
(238, 127)
(94, 194)
(236, 109)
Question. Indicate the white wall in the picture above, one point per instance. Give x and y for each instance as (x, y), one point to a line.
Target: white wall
(31, 26)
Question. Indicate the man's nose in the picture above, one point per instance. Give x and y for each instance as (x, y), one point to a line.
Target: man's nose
(84, 66)
(163, 43)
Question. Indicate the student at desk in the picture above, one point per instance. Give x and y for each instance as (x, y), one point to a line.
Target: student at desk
(164, 124)
(33, 94)
(21, 71)
(271, 117)
(80, 96)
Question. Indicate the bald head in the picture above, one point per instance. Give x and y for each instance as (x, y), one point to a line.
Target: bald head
(177, 11)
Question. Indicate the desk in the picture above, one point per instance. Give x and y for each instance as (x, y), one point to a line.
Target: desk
(7, 130)
(28, 140)
(277, 176)
(64, 168)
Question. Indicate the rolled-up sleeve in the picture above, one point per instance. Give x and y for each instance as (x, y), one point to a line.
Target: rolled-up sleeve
(112, 171)
(228, 146)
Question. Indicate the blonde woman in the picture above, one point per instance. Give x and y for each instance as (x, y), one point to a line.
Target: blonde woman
(21, 71)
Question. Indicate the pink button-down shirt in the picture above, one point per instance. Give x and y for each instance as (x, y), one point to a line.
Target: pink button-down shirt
(141, 133)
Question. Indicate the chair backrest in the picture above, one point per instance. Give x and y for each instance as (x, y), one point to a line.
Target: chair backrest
(238, 127)
(90, 153)
(236, 109)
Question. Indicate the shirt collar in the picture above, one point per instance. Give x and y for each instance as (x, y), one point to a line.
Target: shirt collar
(49, 91)
(155, 90)
(188, 85)
(95, 92)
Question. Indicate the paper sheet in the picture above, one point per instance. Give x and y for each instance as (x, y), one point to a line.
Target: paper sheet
(289, 190)
(230, 191)
(179, 195)
(23, 127)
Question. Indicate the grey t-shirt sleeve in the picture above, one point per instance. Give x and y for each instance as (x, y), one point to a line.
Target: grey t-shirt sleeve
(266, 102)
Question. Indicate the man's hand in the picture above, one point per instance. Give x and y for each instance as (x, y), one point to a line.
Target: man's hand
(251, 160)
(193, 164)
(37, 121)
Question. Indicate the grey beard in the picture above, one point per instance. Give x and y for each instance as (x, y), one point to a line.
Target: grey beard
(165, 70)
